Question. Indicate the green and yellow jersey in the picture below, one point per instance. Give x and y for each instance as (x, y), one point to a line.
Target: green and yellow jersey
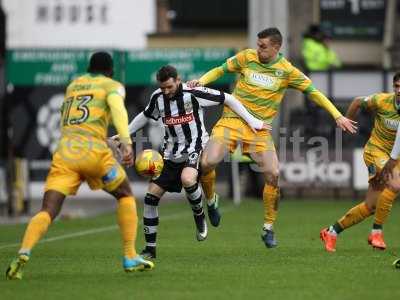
(86, 113)
(387, 120)
(261, 87)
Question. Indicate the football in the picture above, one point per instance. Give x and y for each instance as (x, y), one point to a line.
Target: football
(149, 163)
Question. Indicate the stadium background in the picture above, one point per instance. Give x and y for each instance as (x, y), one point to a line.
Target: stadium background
(48, 43)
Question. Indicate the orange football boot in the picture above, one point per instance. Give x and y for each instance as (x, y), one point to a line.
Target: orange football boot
(376, 240)
(328, 239)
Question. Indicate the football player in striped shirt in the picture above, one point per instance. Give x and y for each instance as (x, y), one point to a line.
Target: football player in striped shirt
(264, 76)
(181, 111)
(381, 155)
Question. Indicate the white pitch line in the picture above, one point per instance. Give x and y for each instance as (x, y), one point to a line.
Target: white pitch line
(98, 230)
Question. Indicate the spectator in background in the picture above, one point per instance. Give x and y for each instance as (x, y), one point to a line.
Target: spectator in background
(316, 53)
(317, 56)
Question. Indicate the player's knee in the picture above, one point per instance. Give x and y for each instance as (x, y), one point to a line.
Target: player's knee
(207, 163)
(272, 176)
(371, 207)
(52, 203)
(188, 180)
(52, 213)
(394, 185)
(123, 190)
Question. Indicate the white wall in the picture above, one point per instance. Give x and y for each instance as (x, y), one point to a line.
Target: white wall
(118, 24)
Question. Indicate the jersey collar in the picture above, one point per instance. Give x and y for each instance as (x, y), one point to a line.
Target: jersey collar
(179, 93)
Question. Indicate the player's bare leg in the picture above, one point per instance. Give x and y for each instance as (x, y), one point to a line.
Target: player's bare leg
(213, 154)
(127, 221)
(151, 219)
(37, 227)
(194, 193)
(268, 163)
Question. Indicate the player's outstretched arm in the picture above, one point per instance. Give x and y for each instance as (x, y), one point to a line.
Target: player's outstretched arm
(119, 117)
(138, 123)
(344, 123)
(207, 78)
(354, 108)
(115, 141)
(239, 109)
(209, 97)
(135, 125)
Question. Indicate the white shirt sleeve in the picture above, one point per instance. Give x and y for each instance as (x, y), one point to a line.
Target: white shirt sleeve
(137, 123)
(206, 96)
(396, 146)
(151, 110)
(240, 110)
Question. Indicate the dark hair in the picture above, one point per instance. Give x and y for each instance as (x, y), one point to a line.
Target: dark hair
(273, 34)
(101, 62)
(317, 33)
(166, 72)
(396, 76)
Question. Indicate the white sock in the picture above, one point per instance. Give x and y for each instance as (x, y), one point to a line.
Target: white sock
(376, 231)
(210, 202)
(332, 231)
(267, 226)
(24, 251)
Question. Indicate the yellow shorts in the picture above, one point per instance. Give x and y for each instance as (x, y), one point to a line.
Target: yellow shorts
(69, 168)
(234, 131)
(375, 159)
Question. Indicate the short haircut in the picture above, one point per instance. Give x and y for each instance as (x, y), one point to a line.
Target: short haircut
(396, 77)
(166, 72)
(273, 34)
(101, 62)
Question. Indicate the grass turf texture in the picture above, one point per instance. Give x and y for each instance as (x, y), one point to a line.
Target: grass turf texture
(231, 264)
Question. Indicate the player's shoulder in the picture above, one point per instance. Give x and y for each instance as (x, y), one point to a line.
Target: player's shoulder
(380, 100)
(249, 54)
(156, 93)
(110, 83)
(383, 97)
(199, 90)
(246, 53)
(386, 96)
(78, 80)
(112, 86)
(285, 64)
(379, 96)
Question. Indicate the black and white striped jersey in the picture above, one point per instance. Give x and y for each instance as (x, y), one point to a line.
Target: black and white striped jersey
(182, 117)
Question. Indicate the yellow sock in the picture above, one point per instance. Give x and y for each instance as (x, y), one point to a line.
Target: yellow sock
(37, 227)
(384, 206)
(127, 221)
(208, 184)
(355, 215)
(270, 198)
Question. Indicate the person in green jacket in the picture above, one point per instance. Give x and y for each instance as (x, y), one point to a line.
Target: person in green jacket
(316, 53)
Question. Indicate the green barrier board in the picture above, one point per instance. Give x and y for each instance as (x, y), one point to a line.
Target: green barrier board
(49, 67)
(141, 66)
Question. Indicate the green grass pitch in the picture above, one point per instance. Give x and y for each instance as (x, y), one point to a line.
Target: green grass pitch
(231, 264)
